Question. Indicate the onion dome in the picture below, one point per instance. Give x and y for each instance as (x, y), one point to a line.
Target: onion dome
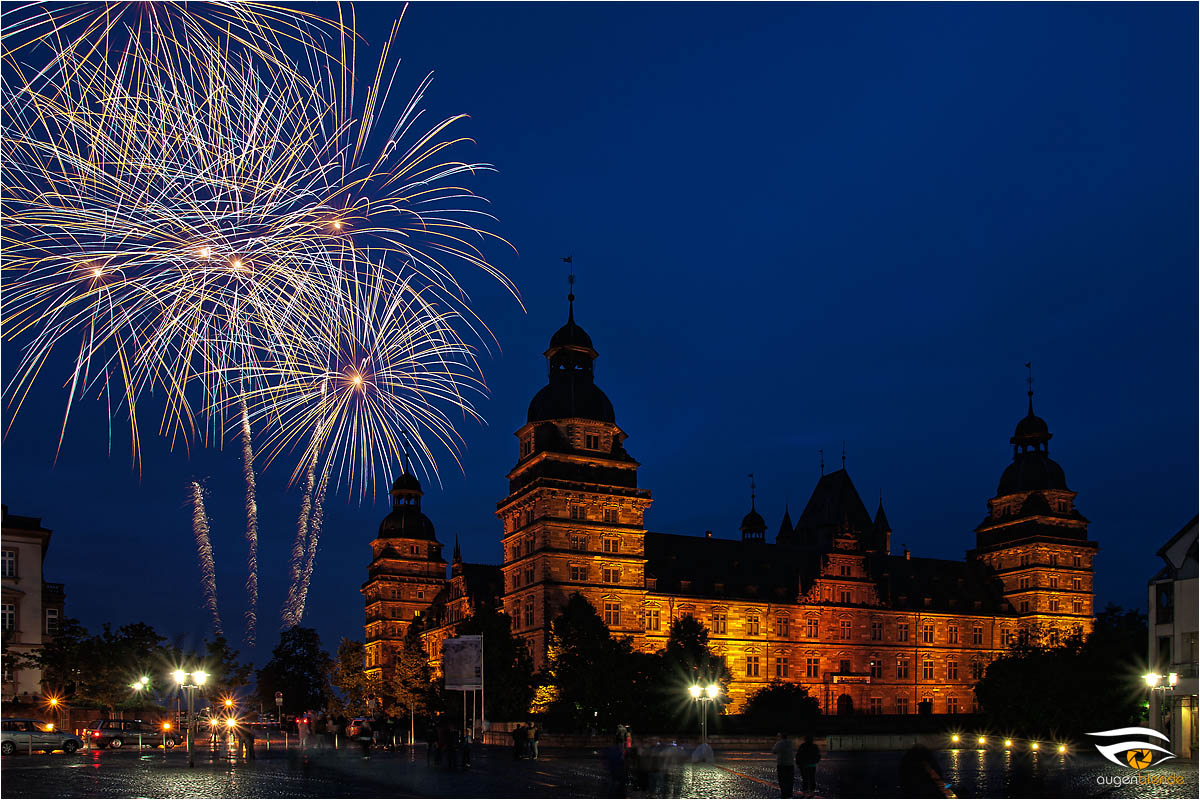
(753, 527)
(1032, 468)
(571, 391)
(406, 520)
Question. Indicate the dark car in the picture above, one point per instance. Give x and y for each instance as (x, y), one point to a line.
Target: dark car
(116, 733)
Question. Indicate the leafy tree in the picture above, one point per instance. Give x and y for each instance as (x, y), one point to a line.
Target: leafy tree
(589, 673)
(410, 689)
(348, 676)
(1071, 687)
(298, 668)
(64, 659)
(225, 673)
(780, 706)
(507, 665)
(661, 685)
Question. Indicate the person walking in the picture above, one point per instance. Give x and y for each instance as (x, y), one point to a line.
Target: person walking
(365, 737)
(785, 764)
(808, 755)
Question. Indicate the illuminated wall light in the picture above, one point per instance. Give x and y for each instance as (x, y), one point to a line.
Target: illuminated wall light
(955, 738)
(982, 740)
(1062, 748)
(1034, 746)
(1008, 742)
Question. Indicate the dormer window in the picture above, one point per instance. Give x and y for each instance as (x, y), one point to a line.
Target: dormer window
(592, 441)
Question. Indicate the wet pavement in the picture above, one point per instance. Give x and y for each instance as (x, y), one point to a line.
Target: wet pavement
(494, 773)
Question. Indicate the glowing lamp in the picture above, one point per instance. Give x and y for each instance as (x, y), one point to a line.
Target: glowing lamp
(1062, 748)
(982, 740)
(1151, 679)
(955, 738)
(1008, 742)
(694, 691)
(53, 701)
(166, 726)
(1035, 746)
(228, 702)
(200, 677)
(179, 675)
(712, 690)
(230, 722)
(1173, 678)
(49, 727)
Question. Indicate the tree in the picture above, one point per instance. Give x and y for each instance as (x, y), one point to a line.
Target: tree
(780, 706)
(507, 665)
(1074, 686)
(589, 673)
(410, 689)
(64, 659)
(225, 673)
(663, 680)
(348, 676)
(298, 668)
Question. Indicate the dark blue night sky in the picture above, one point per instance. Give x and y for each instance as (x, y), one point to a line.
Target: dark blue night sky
(792, 225)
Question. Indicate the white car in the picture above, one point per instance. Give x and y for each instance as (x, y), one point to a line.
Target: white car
(34, 734)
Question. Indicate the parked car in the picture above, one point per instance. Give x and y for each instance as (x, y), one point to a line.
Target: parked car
(35, 734)
(355, 725)
(117, 733)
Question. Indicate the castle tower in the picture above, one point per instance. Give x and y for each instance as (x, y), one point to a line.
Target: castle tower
(1035, 538)
(573, 515)
(407, 570)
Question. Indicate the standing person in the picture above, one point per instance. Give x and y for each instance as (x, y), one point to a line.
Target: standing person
(785, 764)
(466, 748)
(305, 728)
(807, 757)
(365, 736)
(614, 761)
(533, 743)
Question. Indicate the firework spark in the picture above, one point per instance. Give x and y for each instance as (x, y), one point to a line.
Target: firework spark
(204, 552)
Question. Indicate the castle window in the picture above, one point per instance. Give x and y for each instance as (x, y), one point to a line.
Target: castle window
(610, 515)
(844, 665)
(1024, 583)
(751, 666)
(844, 628)
(875, 705)
(576, 512)
(414, 549)
(752, 626)
(1077, 583)
(612, 575)
(1024, 559)
(528, 611)
(529, 516)
(901, 669)
(951, 670)
(781, 667)
(876, 631)
(901, 705)
(843, 596)
(51, 621)
(977, 634)
(420, 595)
(526, 444)
(612, 545)
(719, 623)
(844, 570)
(902, 632)
(1076, 561)
(927, 634)
(927, 670)
(812, 667)
(652, 619)
(529, 574)
(1054, 559)
(592, 441)
(951, 705)
(952, 634)
(528, 545)
(578, 541)
(1053, 581)
(8, 564)
(1053, 604)
(1024, 606)
(1077, 606)
(977, 670)
(579, 573)
(876, 668)
(781, 627)
(612, 613)
(1009, 638)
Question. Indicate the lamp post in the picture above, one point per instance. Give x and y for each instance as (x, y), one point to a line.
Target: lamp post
(704, 696)
(190, 682)
(1159, 683)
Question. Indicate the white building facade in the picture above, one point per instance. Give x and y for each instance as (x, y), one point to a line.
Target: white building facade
(30, 609)
(1174, 605)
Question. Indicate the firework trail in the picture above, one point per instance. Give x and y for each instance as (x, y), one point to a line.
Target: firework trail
(251, 526)
(316, 522)
(205, 553)
(292, 608)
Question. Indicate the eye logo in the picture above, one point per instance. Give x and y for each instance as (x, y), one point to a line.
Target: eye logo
(1138, 755)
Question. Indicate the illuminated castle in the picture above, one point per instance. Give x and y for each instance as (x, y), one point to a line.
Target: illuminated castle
(826, 604)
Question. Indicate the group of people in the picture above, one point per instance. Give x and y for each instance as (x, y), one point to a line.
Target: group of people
(653, 767)
(788, 757)
(319, 730)
(525, 741)
(448, 746)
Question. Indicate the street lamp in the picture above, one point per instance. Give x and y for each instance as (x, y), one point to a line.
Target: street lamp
(703, 696)
(190, 682)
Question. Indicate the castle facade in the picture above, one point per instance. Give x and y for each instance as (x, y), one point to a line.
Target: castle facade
(826, 604)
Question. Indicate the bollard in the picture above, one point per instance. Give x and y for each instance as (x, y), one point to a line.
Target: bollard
(139, 742)
(285, 739)
(335, 743)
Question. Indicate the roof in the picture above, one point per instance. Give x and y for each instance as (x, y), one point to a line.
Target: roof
(571, 395)
(406, 522)
(1030, 471)
(906, 582)
(699, 565)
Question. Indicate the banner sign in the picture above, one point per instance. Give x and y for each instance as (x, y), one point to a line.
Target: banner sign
(462, 663)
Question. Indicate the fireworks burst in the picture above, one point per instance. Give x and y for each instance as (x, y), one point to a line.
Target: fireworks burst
(248, 237)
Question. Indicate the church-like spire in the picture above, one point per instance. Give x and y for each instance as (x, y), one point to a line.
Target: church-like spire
(457, 551)
(786, 528)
